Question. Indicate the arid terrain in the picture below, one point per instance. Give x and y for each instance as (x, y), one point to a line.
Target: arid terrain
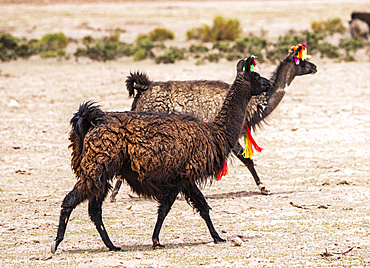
(316, 157)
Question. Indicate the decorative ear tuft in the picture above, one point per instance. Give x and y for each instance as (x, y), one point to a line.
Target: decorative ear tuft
(299, 52)
(254, 67)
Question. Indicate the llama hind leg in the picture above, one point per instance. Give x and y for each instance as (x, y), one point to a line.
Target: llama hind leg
(95, 212)
(250, 165)
(117, 186)
(70, 201)
(164, 207)
(196, 198)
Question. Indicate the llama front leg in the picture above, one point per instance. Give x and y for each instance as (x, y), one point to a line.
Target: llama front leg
(70, 201)
(237, 150)
(95, 212)
(164, 207)
(199, 202)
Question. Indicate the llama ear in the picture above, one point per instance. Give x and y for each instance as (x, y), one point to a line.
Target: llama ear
(248, 63)
(240, 66)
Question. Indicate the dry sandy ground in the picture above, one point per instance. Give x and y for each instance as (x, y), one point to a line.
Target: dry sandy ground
(315, 160)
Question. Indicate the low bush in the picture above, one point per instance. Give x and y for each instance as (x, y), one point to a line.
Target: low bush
(161, 34)
(329, 26)
(222, 29)
(171, 56)
(53, 42)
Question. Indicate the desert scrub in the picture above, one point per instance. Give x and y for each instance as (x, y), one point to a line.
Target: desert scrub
(11, 48)
(171, 56)
(108, 48)
(222, 29)
(161, 34)
(53, 45)
(252, 45)
(143, 48)
(329, 26)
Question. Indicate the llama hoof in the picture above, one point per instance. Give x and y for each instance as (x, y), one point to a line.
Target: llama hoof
(264, 190)
(219, 240)
(53, 246)
(116, 249)
(158, 246)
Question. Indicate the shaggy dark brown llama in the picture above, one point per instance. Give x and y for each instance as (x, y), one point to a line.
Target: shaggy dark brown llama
(204, 98)
(159, 155)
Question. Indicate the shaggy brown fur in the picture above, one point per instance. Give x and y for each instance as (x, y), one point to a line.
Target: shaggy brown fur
(204, 98)
(159, 155)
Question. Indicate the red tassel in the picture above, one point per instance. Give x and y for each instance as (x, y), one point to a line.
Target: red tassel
(259, 149)
(249, 143)
(222, 172)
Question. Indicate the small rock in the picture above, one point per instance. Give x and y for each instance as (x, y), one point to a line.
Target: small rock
(47, 258)
(13, 103)
(237, 241)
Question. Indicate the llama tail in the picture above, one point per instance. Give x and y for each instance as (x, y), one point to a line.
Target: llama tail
(138, 81)
(87, 116)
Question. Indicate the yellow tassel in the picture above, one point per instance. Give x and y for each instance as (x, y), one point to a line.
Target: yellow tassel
(249, 143)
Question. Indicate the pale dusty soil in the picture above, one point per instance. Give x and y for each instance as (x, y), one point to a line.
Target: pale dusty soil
(316, 151)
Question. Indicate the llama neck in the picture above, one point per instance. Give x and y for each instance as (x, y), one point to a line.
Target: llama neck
(282, 77)
(230, 119)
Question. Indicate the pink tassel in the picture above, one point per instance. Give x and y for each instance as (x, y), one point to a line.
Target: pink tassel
(222, 172)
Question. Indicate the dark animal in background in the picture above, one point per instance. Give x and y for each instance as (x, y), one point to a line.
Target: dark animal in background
(159, 155)
(364, 16)
(204, 98)
(359, 28)
(357, 25)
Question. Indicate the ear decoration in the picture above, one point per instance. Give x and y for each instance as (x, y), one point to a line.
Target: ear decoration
(302, 53)
(253, 67)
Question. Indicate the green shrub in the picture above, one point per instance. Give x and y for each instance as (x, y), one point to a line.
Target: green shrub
(352, 44)
(171, 56)
(53, 54)
(87, 40)
(140, 54)
(144, 42)
(234, 56)
(330, 26)
(143, 48)
(222, 29)
(251, 45)
(349, 58)
(161, 34)
(203, 33)
(113, 37)
(329, 50)
(198, 49)
(212, 57)
(225, 29)
(53, 42)
(12, 48)
(104, 50)
(8, 44)
(223, 46)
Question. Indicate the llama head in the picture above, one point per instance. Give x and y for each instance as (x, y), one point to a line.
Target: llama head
(301, 65)
(259, 84)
